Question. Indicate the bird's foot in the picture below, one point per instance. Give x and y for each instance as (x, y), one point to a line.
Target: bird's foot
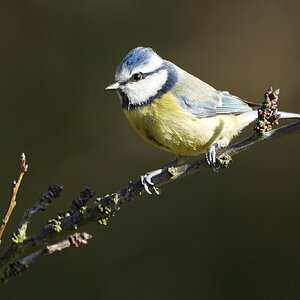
(211, 158)
(147, 183)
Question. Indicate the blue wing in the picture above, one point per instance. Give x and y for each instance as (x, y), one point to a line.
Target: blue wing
(230, 104)
(202, 100)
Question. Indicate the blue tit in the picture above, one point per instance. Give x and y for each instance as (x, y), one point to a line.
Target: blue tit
(174, 110)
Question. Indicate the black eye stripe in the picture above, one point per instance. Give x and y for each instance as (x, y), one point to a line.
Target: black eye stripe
(144, 75)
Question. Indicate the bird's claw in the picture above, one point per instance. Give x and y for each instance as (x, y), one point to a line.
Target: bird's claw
(147, 183)
(211, 158)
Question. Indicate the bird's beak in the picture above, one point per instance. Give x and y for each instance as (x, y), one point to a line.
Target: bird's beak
(114, 86)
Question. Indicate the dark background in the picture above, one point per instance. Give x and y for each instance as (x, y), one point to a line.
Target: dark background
(232, 235)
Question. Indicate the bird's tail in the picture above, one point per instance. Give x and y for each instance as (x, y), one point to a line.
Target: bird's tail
(288, 115)
(248, 117)
(252, 115)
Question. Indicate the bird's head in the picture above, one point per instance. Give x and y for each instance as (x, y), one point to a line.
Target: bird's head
(142, 76)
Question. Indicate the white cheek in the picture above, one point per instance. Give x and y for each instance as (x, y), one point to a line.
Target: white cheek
(139, 92)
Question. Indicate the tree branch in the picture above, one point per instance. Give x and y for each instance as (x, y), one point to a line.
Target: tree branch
(104, 208)
(44, 201)
(21, 265)
(14, 192)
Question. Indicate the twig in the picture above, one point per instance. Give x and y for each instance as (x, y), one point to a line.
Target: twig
(14, 191)
(78, 203)
(43, 202)
(74, 240)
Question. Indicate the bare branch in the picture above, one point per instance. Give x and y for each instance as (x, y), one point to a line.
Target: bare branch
(14, 191)
(21, 265)
(44, 201)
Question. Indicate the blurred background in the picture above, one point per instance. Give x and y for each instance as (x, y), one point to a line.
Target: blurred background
(232, 235)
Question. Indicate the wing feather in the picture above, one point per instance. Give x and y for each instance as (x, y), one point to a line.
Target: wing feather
(202, 100)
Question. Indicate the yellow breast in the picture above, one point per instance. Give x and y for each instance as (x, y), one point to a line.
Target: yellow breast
(168, 126)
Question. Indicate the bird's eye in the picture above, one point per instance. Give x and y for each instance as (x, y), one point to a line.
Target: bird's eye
(137, 76)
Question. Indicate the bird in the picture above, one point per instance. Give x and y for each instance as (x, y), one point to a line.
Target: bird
(176, 111)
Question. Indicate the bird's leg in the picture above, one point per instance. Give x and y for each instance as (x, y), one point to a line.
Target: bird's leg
(146, 179)
(211, 154)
